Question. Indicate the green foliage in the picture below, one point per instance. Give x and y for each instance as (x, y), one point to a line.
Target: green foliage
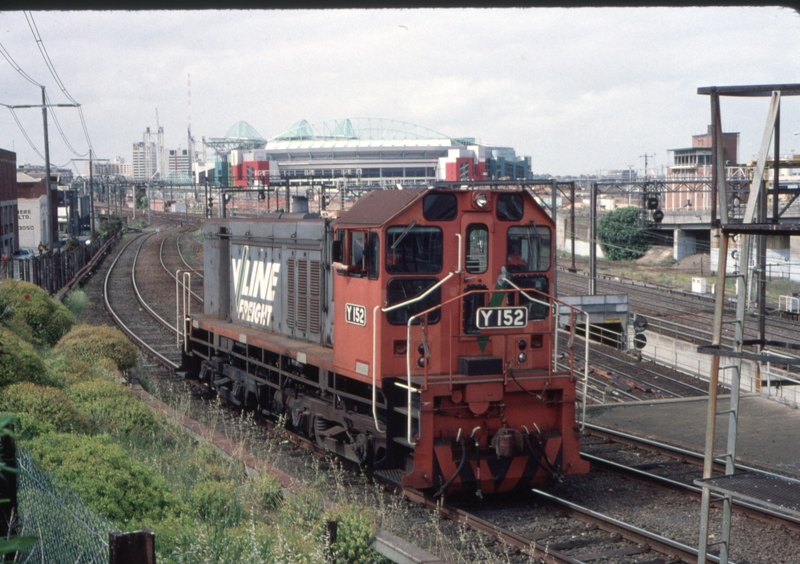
(112, 407)
(42, 409)
(354, 532)
(64, 370)
(76, 301)
(112, 223)
(619, 235)
(124, 490)
(19, 361)
(91, 343)
(48, 319)
(216, 502)
(15, 322)
(267, 491)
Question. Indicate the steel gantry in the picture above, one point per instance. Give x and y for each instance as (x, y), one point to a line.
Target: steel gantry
(752, 228)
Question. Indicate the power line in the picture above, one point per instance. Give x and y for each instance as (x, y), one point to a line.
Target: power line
(17, 67)
(25, 134)
(40, 43)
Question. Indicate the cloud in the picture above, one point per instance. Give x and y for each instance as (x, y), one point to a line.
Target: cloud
(576, 89)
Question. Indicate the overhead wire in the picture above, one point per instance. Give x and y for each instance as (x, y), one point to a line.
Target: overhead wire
(43, 50)
(25, 134)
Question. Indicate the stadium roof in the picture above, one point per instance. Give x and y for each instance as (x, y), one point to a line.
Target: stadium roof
(243, 130)
(363, 129)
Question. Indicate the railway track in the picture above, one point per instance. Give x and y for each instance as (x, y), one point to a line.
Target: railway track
(545, 527)
(675, 312)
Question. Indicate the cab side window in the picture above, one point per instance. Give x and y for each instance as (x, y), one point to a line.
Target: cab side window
(412, 249)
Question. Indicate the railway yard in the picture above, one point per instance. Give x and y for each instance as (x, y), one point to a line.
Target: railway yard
(638, 504)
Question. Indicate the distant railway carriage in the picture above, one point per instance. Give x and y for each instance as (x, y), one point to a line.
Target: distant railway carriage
(414, 333)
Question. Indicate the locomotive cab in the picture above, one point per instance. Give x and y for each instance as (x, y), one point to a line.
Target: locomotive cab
(442, 305)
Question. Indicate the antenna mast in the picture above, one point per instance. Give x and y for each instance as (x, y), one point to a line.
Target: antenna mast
(645, 157)
(190, 142)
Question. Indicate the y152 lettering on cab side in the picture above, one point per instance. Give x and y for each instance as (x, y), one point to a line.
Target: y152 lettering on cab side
(355, 314)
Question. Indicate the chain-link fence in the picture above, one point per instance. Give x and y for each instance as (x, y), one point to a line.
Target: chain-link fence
(67, 529)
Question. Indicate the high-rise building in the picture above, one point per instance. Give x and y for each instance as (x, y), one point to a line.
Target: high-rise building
(145, 160)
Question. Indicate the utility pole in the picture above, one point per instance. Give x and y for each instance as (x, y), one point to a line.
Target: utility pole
(53, 235)
(51, 219)
(645, 157)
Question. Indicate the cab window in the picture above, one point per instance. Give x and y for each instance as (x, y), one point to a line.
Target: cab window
(439, 207)
(363, 254)
(510, 207)
(528, 249)
(400, 290)
(414, 249)
(477, 258)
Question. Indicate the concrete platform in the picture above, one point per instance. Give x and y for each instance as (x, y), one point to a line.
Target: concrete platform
(768, 437)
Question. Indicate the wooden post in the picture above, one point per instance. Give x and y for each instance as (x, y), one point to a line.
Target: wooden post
(138, 547)
(8, 488)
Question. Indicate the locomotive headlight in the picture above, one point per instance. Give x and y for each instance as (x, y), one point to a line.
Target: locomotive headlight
(421, 362)
(522, 357)
(481, 201)
(522, 343)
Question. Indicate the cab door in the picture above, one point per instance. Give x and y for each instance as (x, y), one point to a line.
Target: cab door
(477, 269)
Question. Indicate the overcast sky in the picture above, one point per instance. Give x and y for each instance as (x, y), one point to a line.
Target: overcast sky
(577, 90)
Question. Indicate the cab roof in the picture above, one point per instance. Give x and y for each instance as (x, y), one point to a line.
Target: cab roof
(379, 206)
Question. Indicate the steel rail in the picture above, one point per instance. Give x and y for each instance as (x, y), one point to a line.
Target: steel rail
(748, 508)
(528, 546)
(630, 532)
(173, 276)
(166, 324)
(164, 361)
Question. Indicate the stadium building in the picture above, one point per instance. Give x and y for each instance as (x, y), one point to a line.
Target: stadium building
(364, 151)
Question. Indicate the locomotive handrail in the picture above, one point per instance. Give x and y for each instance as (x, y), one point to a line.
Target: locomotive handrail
(375, 335)
(186, 301)
(573, 310)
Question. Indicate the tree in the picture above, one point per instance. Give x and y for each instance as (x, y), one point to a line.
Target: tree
(619, 235)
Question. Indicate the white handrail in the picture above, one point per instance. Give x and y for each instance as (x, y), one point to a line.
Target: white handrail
(408, 342)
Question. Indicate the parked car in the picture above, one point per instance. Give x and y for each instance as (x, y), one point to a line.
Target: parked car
(22, 254)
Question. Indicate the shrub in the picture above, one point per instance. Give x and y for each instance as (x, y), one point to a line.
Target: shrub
(16, 323)
(76, 301)
(124, 490)
(19, 361)
(91, 343)
(64, 370)
(216, 502)
(354, 531)
(267, 491)
(48, 319)
(620, 236)
(111, 407)
(42, 409)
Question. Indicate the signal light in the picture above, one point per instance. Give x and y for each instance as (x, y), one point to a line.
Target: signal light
(658, 216)
(652, 202)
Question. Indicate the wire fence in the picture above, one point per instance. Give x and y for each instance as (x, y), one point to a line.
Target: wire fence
(67, 529)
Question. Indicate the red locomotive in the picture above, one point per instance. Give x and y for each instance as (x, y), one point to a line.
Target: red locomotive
(415, 333)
